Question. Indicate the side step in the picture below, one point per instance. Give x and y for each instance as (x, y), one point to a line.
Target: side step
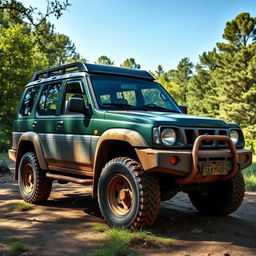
(69, 179)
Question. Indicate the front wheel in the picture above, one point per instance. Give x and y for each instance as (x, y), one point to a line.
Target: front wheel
(34, 186)
(128, 197)
(221, 198)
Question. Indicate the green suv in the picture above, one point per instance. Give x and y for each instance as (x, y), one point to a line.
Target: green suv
(120, 132)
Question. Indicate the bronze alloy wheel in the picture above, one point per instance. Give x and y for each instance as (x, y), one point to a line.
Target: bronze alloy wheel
(128, 197)
(28, 178)
(120, 195)
(34, 186)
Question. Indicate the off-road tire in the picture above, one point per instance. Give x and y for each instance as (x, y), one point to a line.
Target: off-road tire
(40, 186)
(145, 202)
(222, 197)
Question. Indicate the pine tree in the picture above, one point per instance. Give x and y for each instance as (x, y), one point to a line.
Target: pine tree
(104, 60)
(235, 74)
(182, 76)
(130, 63)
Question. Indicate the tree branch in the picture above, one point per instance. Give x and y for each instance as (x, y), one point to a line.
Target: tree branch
(35, 16)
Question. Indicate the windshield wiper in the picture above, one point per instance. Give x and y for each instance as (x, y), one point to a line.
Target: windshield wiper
(145, 107)
(123, 105)
(156, 107)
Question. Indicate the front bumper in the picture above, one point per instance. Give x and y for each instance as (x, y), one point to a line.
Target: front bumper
(190, 161)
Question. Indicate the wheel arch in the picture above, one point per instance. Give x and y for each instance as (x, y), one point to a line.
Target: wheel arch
(115, 143)
(29, 141)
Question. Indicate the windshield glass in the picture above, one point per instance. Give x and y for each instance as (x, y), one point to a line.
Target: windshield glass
(128, 93)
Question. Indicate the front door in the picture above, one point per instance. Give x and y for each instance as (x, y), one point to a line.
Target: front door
(73, 131)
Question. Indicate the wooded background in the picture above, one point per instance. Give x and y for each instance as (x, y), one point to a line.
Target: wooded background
(222, 85)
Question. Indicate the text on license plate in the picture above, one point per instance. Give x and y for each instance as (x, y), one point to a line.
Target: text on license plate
(214, 169)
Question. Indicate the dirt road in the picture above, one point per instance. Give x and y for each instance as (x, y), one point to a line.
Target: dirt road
(61, 226)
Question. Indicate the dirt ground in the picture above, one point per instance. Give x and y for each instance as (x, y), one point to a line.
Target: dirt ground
(61, 226)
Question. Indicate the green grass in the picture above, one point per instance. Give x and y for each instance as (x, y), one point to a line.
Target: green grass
(100, 228)
(23, 206)
(122, 241)
(17, 246)
(250, 176)
(3, 233)
(113, 248)
(4, 156)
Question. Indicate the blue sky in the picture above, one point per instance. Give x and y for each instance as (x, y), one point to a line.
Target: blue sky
(153, 32)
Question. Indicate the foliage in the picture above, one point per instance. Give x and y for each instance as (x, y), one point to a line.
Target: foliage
(235, 73)
(23, 51)
(33, 14)
(130, 63)
(171, 87)
(201, 93)
(224, 84)
(4, 156)
(182, 76)
(250, 176)
(104, 60)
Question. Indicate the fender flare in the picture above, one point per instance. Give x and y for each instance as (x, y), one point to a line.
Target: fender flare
(35, 140)
(132, 137)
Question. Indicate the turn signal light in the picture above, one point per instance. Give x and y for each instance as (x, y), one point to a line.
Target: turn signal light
(174, 160)
(246, 157)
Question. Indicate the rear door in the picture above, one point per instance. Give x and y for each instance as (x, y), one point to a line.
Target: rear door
(44, 123)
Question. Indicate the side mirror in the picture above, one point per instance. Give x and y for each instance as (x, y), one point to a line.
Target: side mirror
(184, 109)
(76, 104)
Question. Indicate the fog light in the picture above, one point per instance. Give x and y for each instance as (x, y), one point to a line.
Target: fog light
(174, 160)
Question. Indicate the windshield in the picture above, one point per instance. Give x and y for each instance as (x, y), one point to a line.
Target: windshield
(128, 93)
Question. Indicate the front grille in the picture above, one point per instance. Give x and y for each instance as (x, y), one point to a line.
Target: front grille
(191, 134)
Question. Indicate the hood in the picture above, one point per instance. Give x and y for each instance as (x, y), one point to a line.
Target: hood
(166, 118)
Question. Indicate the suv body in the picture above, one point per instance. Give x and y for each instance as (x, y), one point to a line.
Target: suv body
(119, 131)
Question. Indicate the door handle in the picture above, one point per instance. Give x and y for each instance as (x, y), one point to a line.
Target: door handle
(60, 123)
(34, 124)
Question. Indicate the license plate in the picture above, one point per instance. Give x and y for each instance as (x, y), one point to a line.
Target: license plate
(209, 169)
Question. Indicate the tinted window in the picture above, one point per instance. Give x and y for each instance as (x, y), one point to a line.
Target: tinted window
(28, 101)
(131, 93)
(49, 99)
(154, 96)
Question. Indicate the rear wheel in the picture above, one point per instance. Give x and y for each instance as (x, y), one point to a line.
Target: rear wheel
(128, 197)
(222, 197)
(34, 186)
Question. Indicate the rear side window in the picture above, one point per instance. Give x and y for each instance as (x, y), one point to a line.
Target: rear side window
(28, 101)
(49, 99)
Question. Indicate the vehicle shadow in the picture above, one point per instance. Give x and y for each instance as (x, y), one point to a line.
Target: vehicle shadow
(177, 217)
(180, 220)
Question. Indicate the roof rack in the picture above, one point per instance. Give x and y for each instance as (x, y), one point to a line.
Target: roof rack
(91, 69)
(61, 70)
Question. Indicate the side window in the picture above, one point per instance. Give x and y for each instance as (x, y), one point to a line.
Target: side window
(49, 99)
(28, 101)
(73, 89)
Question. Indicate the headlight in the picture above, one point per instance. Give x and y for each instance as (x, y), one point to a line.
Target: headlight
(234, 136)
(168, 137)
